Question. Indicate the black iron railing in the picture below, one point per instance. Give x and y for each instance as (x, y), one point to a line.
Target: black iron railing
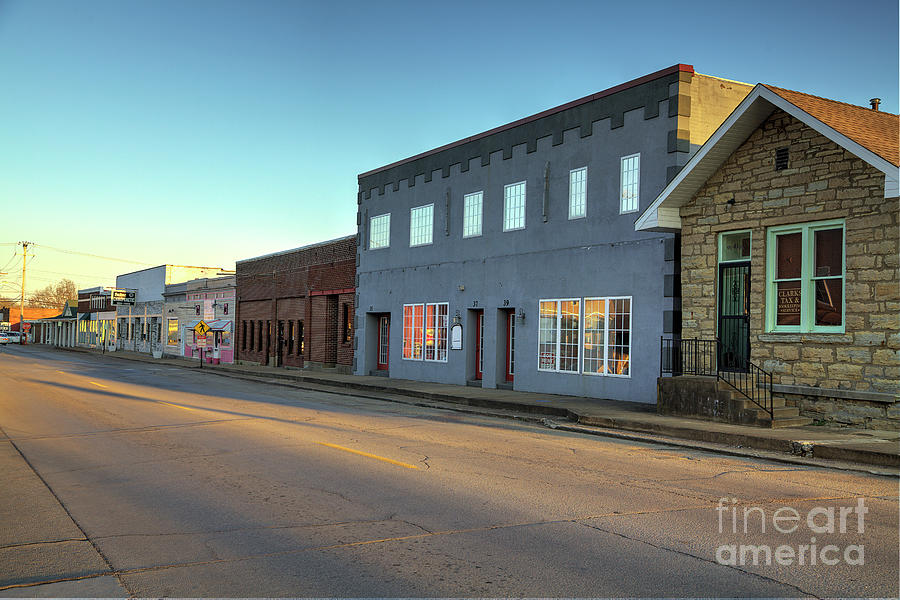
(688, 357)
(754, 384)
(709, 358)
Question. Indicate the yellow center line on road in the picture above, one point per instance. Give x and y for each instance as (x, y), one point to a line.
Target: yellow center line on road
(63, 372)
(98, 384)
(367, 455)
(177, 406)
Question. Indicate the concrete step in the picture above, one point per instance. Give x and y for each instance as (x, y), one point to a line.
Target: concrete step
(744, 403)
(787, 416)
(792, 422)
(785, 412)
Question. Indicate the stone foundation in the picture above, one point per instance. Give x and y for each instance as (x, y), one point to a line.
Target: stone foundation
(852, 413)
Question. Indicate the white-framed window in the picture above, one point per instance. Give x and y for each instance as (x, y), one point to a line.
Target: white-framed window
(172, 332)
(805, 270)
(421, 225)
(587, 335)
(380, 231)
(734, 246)
(607, 336)
(425, 328)
(630, 183)
(472, 207)
(436, 320)
(558, 335)
(578, 193)
(514, 206)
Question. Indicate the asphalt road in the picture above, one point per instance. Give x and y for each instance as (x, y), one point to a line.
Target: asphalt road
(122, 478)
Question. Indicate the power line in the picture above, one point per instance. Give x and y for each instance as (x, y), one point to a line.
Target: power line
(135, 262)
(9, 262)
(94, 275)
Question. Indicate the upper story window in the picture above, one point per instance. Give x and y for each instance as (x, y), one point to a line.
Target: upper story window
(472, 206)
(380, 231)
(630, 186)
(421, 225)
(577, 193)
(514, 206)
(805, 277)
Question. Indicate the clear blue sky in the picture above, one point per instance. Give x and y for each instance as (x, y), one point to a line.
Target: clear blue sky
(146, 129)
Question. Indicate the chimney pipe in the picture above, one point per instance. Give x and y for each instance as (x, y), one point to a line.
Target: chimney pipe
(875, 102)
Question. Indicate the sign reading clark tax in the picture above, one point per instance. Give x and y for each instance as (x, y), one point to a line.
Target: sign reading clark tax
(788, 312)
(122, 297)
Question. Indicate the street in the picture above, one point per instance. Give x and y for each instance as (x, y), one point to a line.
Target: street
(128, 479)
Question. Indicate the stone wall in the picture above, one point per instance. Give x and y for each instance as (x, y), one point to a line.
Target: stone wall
(822, 181)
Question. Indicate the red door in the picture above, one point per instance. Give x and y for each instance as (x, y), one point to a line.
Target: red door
(479, 345)
(510, 344)
(384, 342)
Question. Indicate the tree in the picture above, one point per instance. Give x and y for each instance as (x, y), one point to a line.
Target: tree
(54, 295)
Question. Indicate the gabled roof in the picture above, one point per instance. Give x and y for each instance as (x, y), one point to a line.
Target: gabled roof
(869, 134)
(875, 130)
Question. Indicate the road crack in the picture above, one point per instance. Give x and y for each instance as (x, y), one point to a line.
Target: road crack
(702, 559)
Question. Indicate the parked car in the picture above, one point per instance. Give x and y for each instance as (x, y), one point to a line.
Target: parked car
(4, 338)
(15, 337)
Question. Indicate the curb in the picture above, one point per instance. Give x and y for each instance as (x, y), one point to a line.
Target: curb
(736, 444)
(717, 448)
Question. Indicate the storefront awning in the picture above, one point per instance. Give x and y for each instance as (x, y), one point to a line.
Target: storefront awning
(214, 324)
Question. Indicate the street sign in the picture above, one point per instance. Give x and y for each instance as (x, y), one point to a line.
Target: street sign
(201, 328)
(122, 297)
(201, 341)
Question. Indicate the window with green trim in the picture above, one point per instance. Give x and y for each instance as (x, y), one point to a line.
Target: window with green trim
(805, 277)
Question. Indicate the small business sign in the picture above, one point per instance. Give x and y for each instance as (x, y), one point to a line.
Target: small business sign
(4, 325)
(788, 311)
(122, 297)
(456, 337)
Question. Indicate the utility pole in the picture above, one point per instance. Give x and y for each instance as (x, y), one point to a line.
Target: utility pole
(22, 303)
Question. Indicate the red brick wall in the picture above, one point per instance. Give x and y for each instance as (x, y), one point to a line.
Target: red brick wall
(84, 303)
(293, 278)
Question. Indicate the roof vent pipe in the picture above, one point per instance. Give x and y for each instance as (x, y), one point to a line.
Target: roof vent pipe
(875, 102)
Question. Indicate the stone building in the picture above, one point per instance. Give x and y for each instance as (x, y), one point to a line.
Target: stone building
(788, 220)
(509, 258)
(295, 308)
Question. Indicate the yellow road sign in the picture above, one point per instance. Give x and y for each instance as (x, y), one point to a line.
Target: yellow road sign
(201, 328)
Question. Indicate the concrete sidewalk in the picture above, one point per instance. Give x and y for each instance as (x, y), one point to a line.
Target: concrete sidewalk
(631, 420)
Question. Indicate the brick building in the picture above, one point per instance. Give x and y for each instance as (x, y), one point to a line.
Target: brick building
(96, 319)
(295, 308)
(789, 253)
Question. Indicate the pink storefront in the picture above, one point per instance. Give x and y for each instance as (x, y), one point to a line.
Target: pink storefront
(219, 347)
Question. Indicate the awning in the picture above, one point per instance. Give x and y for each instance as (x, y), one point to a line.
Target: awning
(214, 324)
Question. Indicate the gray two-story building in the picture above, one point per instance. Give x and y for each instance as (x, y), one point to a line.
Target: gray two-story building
(510, 259)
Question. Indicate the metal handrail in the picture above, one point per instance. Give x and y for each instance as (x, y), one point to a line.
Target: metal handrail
(701, 357)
